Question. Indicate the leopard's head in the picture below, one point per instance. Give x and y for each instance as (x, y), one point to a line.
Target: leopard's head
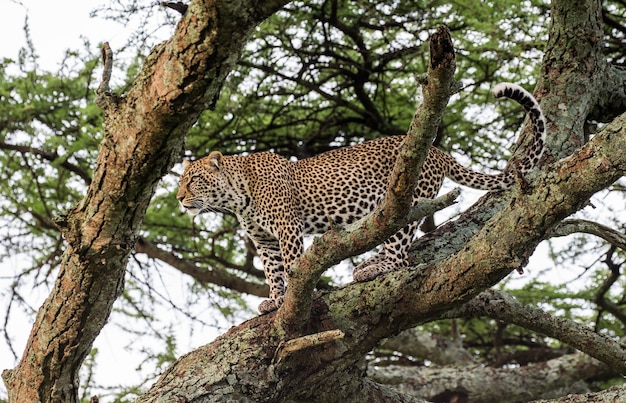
(203, 187)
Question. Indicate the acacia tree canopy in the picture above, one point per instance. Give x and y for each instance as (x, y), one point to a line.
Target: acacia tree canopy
(90, 199)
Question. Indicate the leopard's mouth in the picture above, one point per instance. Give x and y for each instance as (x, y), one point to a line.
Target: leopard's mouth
(194, 210)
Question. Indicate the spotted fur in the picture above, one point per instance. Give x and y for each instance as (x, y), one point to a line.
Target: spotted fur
(278, 201)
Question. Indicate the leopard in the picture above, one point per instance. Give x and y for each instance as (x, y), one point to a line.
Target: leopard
(278, 201)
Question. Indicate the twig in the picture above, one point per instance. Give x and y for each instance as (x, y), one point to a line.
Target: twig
(178, 6)
(107, 60)
(601, 298)
(105, 99)
(287, 348)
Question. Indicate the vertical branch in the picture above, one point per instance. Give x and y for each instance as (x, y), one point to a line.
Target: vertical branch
(107, 61)
(437, 89)
(390, 216)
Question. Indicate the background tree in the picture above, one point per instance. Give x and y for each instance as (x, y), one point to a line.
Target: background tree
(320, 75)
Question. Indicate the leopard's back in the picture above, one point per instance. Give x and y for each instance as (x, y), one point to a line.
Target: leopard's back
(341, 186)
(345, 184)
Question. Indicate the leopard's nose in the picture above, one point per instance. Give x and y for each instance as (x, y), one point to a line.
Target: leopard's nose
(180, 198)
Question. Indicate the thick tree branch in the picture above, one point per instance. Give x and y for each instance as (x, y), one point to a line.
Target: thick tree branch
(353, 386)
(502, 306)
(144, 132)
(573, 226)
(574, 64)
(612, 395)
(491, 385)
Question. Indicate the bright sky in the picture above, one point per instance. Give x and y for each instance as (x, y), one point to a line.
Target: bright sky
(54, 27)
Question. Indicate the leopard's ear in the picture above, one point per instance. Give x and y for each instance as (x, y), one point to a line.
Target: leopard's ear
(215, 157)
(186, 163)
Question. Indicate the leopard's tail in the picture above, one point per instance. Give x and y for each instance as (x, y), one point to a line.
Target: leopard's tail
(526, 99)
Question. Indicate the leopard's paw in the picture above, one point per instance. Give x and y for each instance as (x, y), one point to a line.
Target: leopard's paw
(270, 305)
(367, 272)
(267, 306)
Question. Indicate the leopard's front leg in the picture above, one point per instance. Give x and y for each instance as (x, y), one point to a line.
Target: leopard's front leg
(277, 253)
(268, 250)
(273, 267)
(290, 247)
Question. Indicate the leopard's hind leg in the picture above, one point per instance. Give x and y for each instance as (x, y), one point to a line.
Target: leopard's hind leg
(391, 258)
(395, 250)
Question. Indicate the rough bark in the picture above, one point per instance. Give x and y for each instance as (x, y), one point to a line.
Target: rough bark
(144, 132)
(492, 385)
(575, 77)
(613, 395)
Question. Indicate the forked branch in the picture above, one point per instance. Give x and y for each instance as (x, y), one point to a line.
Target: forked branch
(391, 214)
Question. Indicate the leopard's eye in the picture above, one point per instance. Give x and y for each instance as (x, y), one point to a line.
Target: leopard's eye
(192, 179)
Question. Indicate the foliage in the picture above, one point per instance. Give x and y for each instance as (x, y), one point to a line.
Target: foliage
(346, 71)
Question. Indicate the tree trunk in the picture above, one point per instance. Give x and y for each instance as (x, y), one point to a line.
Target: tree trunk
(144, 133)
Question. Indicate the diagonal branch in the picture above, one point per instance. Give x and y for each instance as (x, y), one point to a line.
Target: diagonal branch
(503, 306)
(572, 226)
(390, 215)
(218, 277)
